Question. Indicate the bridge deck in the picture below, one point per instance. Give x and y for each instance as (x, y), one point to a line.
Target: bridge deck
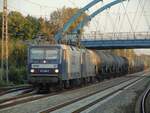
(116, 40)
(113, 44)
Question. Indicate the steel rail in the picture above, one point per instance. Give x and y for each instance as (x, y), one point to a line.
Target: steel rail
(143, 102)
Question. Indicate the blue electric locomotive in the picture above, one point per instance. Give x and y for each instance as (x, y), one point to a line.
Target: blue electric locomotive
(60, 64)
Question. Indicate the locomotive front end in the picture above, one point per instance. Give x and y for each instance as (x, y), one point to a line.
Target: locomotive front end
(43, 64)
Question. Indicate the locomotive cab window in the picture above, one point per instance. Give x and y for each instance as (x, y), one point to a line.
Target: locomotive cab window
(51, 54)
(36, 53)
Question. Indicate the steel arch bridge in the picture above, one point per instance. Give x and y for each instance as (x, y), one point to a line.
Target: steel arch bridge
(134, 40)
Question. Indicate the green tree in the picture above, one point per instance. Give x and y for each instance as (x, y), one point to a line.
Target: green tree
(31, 27)
(16, 23)
(21, 27)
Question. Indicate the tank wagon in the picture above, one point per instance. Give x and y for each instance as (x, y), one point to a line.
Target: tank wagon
(64, 66)
(136, 64)
(112, 65)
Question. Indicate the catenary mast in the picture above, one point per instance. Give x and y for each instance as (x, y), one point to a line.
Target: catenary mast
(4, 51)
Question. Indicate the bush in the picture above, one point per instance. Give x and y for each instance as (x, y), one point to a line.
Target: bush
(17, 61)
(2, 83)
(17, 75)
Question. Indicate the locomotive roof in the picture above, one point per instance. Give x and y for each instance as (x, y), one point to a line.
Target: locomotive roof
(63, 46)
(54, 45)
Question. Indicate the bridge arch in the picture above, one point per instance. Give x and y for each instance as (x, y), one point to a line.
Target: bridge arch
(89, 18)
(59, 34)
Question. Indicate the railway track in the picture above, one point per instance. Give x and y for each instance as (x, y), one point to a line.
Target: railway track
(24, 93)
(23, 99)
(144, 102)
(56, 105)
(84, 102)
(27, 97)
(8, 102)
(9, 89)
(13, 93)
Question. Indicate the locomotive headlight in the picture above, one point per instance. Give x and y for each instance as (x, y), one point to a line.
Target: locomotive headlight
(32, 70)
(56, 70)
(44, 61)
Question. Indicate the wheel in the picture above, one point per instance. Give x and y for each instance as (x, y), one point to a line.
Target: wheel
(66, 84)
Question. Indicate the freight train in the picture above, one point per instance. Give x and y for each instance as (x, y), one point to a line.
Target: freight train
(66, 66)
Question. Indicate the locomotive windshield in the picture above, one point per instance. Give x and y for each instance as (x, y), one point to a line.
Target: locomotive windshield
(37, 53)
(51, 54)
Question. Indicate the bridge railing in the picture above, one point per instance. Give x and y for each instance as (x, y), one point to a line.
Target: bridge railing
(116, 36)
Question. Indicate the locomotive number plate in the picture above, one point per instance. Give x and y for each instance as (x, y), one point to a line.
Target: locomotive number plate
(44, 71)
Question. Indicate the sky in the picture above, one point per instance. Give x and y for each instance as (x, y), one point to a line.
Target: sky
(104, 22)
(136, 17)
(41, 7)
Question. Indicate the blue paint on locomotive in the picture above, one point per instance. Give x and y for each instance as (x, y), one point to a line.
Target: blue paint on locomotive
(38, 62)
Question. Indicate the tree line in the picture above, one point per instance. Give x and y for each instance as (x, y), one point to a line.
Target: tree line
(26, 27)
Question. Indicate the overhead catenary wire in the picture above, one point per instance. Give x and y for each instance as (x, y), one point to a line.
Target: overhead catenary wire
(41, 8)
(25, 13)
(37, 4)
